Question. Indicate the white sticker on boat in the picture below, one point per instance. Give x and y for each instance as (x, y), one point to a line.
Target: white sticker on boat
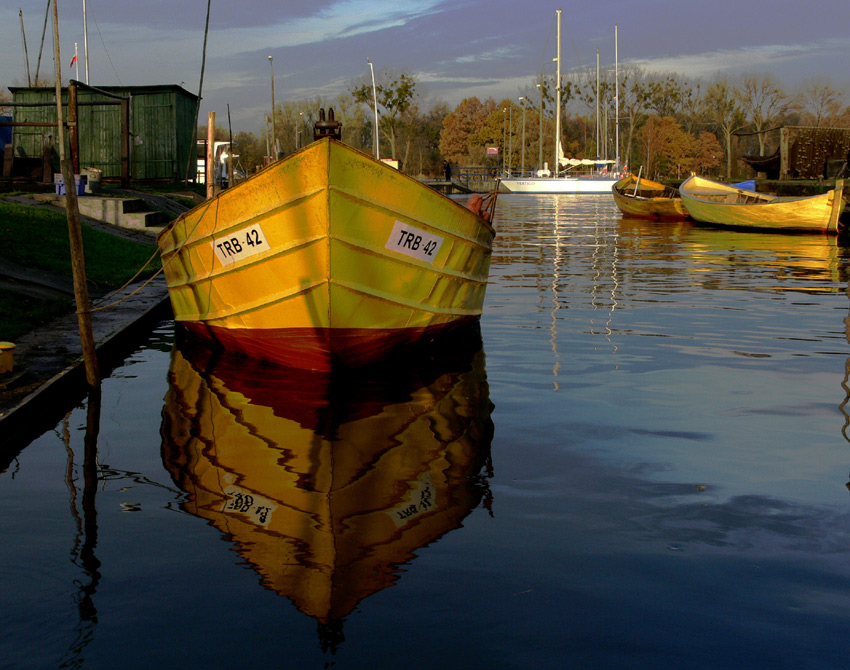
(414, 242)
(419, 500)
(240, 244)
(238, 501)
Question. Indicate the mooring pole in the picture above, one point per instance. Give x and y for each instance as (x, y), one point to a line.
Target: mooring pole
(210, 176)
(75, 234)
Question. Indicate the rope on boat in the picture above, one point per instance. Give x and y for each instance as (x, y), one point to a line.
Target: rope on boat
(488, 209)
(148, 262)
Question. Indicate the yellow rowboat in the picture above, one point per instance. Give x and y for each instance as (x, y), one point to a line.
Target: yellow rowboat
(327, 485)
(645, 199)
(327, 256)
(721, 204)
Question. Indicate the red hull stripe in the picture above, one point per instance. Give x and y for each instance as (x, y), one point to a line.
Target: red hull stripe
(322, 349)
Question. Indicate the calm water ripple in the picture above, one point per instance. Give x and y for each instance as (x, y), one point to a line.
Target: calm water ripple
(644, 465)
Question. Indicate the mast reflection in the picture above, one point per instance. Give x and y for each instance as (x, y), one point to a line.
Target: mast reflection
(326, 484)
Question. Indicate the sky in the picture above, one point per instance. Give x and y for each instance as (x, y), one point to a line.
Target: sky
(455, 48)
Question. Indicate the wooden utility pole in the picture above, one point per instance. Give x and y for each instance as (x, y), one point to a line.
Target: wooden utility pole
(210, 176)
(75, 234)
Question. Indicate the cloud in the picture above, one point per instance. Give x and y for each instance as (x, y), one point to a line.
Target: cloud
(344, 19)
(500, 53)
(771, 57)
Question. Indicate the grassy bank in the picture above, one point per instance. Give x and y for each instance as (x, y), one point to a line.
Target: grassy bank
(37, 238)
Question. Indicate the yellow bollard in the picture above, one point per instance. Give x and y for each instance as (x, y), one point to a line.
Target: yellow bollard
(7, 357)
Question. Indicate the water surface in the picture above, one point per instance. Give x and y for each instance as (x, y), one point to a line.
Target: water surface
(643, 462)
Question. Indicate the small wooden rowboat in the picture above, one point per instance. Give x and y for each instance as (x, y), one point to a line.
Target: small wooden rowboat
(729, 205)
(326, 257)
(646, 199)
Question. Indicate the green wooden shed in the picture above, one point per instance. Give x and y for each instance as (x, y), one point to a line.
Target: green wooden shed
(162, 128)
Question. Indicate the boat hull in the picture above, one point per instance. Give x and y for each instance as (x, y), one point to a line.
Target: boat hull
(646, 199)
(326, 257)
(724, 205)
(569, 185)
(323, 349)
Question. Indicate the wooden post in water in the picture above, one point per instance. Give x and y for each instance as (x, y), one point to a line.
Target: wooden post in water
(75, 235)
(210, 176)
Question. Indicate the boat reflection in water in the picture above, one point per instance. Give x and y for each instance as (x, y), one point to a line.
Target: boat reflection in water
(326, 484)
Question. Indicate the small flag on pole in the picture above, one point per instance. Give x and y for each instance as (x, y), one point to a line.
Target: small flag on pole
(73, 60)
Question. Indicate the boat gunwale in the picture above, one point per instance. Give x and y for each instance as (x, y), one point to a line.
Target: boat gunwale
(314, 146)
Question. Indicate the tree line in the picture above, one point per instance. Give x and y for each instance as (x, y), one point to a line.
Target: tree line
(661, 122)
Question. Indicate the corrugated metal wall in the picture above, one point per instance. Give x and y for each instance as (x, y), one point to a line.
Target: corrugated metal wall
(161, 125)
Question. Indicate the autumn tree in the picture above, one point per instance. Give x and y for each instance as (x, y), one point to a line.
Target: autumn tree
(706, 153)
(459, 126)
(493, 131)
(665, 146)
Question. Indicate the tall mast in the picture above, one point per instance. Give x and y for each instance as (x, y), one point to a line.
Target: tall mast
(558, 96)
(616, 99)
(86, 41)
(598, 124)
(26, 55)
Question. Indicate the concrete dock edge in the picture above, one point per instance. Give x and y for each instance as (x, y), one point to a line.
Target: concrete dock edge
(46, 405)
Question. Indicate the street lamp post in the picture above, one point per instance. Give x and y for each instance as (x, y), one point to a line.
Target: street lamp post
(375, 102)
(522, 163)
(274, 123)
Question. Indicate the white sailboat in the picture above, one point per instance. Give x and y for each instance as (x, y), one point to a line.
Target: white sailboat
(564, 181)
